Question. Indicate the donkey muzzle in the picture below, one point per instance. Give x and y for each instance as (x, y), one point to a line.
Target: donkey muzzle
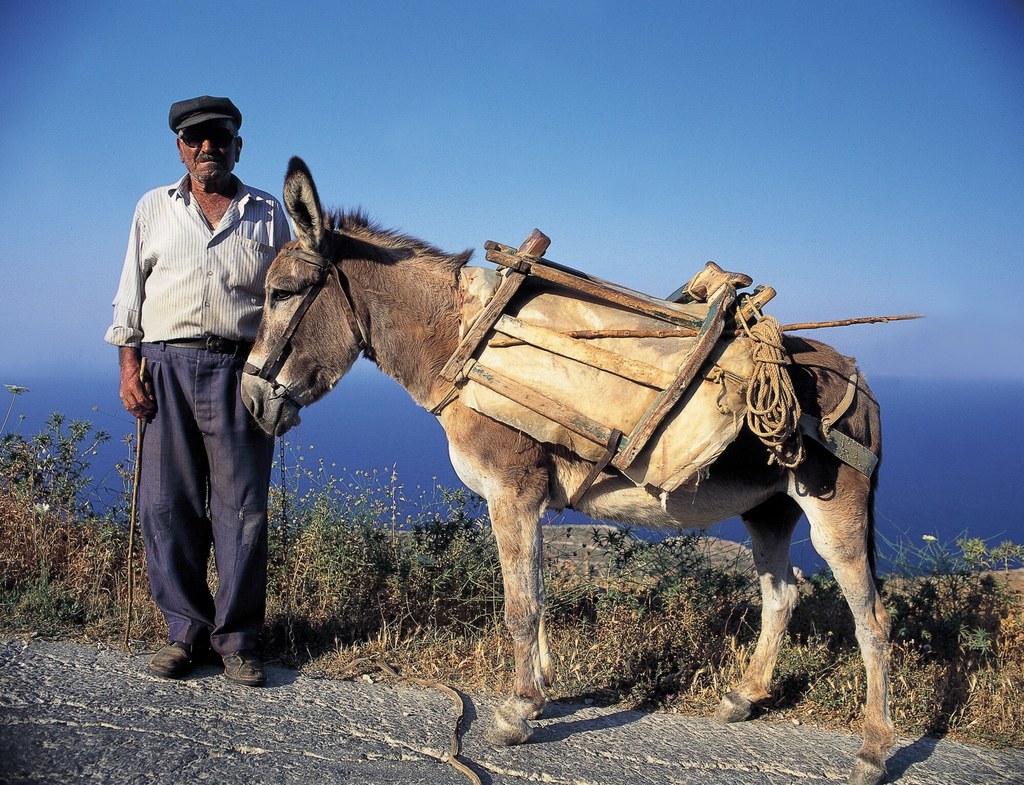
(270, 405)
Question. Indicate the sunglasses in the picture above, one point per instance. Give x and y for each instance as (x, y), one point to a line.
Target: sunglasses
(218, 136)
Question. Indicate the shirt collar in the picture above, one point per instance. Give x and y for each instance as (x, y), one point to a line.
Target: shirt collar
(182, 188)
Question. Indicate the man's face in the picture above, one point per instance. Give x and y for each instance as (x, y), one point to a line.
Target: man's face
(210, 150)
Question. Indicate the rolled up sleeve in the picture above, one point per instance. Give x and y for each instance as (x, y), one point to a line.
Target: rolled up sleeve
(126, 328)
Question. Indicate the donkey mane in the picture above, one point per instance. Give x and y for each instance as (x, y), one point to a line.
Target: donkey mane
(401, 270)
(357, 225)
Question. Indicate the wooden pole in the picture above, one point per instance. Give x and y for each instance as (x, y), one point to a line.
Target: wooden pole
(847, 322)
(684, 332)
(140, 432)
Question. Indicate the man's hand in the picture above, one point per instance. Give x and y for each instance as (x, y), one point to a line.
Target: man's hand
(136, 393)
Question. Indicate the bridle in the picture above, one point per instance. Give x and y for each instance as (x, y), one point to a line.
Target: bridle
(277, 355)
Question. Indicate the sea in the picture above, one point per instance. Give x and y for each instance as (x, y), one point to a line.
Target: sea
(953, 455)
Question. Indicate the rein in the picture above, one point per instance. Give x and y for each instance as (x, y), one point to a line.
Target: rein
(275, 358)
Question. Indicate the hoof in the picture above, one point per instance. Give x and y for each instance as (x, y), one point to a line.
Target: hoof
(733, 708)
(866, 773)
(507, 730)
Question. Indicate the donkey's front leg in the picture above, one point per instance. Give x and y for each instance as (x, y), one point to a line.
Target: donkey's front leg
(511, 472)
(515, 517)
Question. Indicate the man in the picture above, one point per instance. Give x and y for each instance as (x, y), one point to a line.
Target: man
(188, 304)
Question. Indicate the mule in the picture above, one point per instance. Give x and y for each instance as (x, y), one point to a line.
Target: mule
(346, 286)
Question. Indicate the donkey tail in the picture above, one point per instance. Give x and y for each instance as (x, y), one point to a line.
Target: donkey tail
(871, 541)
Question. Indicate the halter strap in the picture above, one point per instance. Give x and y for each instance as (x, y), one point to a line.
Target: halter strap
(274, 360)
(307, 256)
(349, 308)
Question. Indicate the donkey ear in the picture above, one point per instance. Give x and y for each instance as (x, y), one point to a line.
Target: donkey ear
(303, 204)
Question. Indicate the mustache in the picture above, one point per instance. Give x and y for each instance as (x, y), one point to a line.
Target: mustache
(203, 157)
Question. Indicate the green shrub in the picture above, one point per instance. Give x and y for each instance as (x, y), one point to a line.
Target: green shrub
(945, 597)
(50, 469)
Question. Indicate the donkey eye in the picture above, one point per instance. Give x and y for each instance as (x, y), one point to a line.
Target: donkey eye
(280, 295)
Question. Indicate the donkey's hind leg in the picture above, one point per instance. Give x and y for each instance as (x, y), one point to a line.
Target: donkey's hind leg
(839, 532)
(771, 530)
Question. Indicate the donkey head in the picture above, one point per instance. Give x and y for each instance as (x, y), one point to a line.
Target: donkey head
(308, 336)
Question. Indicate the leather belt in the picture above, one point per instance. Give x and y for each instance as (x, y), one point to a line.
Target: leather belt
(212, 343)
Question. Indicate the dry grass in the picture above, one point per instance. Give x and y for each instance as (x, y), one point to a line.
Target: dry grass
(641, 661)
(667, 626)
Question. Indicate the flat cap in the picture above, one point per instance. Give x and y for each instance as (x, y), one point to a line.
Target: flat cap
(199, 110)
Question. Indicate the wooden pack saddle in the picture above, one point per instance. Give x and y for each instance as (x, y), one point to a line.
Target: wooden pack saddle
(647, 386)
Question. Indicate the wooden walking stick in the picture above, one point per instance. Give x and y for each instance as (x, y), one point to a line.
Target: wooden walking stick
(140, 429)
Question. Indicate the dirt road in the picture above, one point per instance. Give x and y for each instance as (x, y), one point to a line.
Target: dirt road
(72, 713)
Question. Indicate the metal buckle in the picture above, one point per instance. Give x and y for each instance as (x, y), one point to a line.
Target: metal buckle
(214, 343)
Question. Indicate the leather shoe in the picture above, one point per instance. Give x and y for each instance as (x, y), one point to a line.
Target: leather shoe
(245, 668)
(173, 661)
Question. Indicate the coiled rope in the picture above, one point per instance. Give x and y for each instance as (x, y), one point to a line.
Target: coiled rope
(773, 412)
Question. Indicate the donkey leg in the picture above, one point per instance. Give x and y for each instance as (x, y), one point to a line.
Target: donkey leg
(511, 472)
(839, 534)
(771, 530)
(515, 519)
(547, 663)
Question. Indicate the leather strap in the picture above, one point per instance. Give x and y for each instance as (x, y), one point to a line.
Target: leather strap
(846, 449)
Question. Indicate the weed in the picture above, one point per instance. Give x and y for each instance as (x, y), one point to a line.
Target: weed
(50, 470)
(15, 390)
(945, 597)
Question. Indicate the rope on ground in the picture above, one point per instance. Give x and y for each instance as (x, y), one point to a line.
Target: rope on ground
(773, 412)
(453, 757)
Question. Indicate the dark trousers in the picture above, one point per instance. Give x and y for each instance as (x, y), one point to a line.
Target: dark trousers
(205, 477)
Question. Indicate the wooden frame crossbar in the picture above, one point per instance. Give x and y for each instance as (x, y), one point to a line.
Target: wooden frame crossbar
(568, 418)
(534, 246)
(587, 284)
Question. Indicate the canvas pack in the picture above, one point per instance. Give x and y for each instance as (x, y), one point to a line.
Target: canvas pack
(629, 360)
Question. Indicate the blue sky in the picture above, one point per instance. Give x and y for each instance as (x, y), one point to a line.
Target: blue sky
(862, 158)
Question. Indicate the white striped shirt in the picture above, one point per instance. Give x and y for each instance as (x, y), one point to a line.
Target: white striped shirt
(181, 279)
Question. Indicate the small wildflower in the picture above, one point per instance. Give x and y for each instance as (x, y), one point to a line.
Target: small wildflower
(929, 538)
